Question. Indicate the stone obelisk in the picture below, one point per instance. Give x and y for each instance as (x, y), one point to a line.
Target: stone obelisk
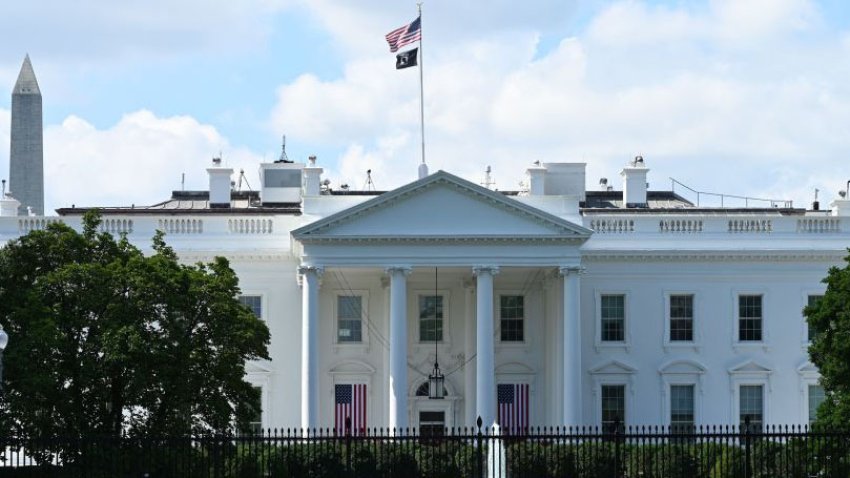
(26, 156)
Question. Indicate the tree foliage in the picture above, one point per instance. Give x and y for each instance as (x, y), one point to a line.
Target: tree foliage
(106, 340)
(829, 317)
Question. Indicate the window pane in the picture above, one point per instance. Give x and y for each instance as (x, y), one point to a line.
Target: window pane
(816, 397)
(613, 405)
(681, 318)
(749, 318)
(255, 421)
(752, 405)
(430, 318)
(812, 301)
(349, 311)
(512, 315)
(682, 408)
(613, 317)
(253, 302)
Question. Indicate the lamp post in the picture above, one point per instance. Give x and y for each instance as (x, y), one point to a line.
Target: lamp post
(436, 381)
(4, 340)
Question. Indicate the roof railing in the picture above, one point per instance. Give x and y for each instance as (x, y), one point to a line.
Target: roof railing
(784, 203)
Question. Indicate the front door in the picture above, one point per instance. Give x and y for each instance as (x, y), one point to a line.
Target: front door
(432, 423)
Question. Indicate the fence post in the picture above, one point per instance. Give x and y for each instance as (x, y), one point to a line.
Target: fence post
(479, 449)
(748, 472)
(348, 466)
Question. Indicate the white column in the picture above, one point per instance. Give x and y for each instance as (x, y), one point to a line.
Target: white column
(572, 346)
(309, 345)
(485, 394)
(398, 347)
(469, 353)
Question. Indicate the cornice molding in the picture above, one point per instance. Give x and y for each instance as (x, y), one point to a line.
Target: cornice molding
(236, 255)
(713, 256)
(443, 239)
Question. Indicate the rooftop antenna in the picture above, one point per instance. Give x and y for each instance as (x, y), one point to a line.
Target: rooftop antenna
(243, 178)
(488, 179)
(3, 194)
(370, 185)
(283, 157)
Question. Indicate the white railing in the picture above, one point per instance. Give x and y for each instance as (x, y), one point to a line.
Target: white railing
(610, 225)
(680, 225)
(250, 226)
(750, 225)
(25, 225)
(819, 225)
(181, 226)
(117, 226)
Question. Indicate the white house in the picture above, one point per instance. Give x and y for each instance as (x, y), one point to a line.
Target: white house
(553, 305)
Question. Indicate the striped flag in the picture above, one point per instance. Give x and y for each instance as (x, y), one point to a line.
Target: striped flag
(405, 35)
(513, 403)
(350, 403)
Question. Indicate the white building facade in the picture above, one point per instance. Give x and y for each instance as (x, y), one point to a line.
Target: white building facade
(589, 306)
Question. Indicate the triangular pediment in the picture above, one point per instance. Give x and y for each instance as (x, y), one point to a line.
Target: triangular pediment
(441, 206)
(750, 366)
(612, 367)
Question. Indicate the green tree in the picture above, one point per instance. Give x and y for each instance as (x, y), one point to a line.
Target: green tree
(105, 340)
(829, 317)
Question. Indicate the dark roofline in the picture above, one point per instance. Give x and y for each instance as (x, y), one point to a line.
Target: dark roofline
(148, 211)
(780, 211)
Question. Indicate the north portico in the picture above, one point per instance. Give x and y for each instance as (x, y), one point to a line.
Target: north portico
(484, 251)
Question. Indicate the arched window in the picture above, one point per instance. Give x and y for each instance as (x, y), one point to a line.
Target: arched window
(425, 389)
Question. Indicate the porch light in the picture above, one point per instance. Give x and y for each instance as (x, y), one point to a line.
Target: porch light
(436, 381)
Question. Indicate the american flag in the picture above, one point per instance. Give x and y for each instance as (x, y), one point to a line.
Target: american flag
(513, 407)
(405, 35)
(350, 402)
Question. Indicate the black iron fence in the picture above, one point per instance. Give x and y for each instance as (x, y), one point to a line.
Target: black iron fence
(588, 452)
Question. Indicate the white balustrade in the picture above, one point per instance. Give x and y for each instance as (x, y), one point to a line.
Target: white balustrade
(680, 225)
(28, 224)
(612, 225)
(250, 226)
(751, 225)
(116, 226)
(819, 225)
(181, 226)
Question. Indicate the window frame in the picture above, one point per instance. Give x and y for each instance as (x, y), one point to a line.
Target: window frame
(626, 342)
(764, 343)
(364, 316)
(738, 397)
(682, 371)
(745, 374)
(262, 296)
(696, 335)
(524, 319)
(809, 400)
(413, 313)
(804, 325)
(694, 389)
(600, 399)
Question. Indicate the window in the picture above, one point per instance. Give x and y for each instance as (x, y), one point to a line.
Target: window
(254, 425)
(613, 406)
(681, 318)
(751, 405)
(813, 301)
(430, 318)
(432, 424)
(749, 318)
(512, 317)
(349, 316)
(253, 302)
(816, 397)
(682, 408)
(613, 318)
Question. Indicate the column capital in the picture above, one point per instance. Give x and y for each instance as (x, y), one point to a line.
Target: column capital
(406, 270)
(478, 270)
(304, 269)
(567, 270)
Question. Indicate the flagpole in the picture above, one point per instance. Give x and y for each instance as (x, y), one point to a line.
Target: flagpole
(421, 88)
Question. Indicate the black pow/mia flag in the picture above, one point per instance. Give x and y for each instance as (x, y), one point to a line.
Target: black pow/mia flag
(406, 59)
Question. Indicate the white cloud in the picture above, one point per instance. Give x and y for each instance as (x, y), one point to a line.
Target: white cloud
(137, 161)
(753, 88)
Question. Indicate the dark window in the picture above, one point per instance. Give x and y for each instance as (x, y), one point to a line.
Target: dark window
(682, 408)
(750, 318)
(613, 317)
(681, 318)
(430, 318)
(816, 397)
(253, 302)
(432, 423)
(254, 426)
(813, 301)
(613, 406)
(349, 314)
(512, 317)
(282, 178)
(752, 406)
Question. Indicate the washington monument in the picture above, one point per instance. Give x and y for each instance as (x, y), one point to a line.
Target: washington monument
(26, 156)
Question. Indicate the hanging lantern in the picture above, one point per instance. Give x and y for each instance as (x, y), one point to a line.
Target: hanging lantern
(436, 383)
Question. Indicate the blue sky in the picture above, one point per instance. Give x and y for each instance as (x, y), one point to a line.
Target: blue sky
(137, 93)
